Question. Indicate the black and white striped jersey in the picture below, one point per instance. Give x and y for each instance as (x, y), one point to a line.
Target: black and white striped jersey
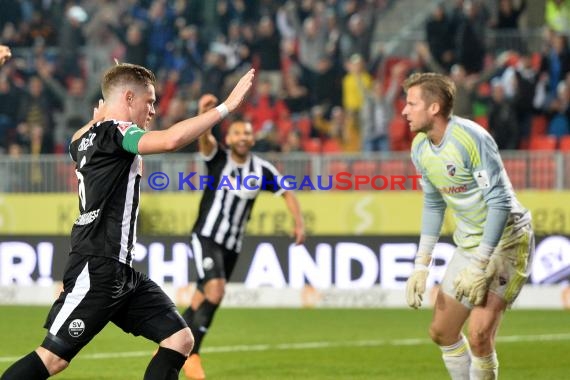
(108, 188)
(226, 206)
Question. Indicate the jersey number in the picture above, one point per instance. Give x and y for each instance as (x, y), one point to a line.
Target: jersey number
(81, 189)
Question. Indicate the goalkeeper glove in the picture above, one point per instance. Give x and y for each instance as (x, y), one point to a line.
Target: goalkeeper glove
(416, 285)
(473, 281)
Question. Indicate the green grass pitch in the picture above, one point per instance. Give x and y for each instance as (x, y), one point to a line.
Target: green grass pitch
(279, 344)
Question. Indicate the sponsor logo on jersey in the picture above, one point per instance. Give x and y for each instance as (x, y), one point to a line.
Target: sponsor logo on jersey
(453, 189)
(451, 168)
(86, 142)
(76, 328)
(87, 218)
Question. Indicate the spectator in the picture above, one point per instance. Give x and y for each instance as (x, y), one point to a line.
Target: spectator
(503, 123)
(555, 63)
(267, 139)
(10, 97)
(355, 84)
(508, 21)
(268, 51)
(264, 106)
(440, 37)
(559, 112)
(77, 100)
(557, 16)
(469, 41)
(35, 109)
(378, 111)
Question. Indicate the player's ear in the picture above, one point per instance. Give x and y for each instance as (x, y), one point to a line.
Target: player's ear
(129, 96)
(434, 108)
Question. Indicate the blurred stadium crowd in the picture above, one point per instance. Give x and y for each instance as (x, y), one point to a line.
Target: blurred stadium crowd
(323, 84)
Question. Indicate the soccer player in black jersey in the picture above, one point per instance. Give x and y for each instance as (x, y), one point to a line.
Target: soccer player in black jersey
(223, 215)
(100, 285)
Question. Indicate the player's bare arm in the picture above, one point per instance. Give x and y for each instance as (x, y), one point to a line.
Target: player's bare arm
(295, 209)
(98, 115)
(186, 131)
(207, 142)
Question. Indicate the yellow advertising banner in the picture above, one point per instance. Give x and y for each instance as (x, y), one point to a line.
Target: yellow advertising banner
(326, 213)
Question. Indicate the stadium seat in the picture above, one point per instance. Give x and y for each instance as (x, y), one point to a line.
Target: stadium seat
(284, 127)
(538, 125)
(517, 171)
(542, 143)
(312, 146)
(565, 144)
(524, 143)
(331, 146)
(543, 172)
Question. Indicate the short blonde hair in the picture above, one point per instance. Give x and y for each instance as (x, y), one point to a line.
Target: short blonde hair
(126, 73)
(436, 88)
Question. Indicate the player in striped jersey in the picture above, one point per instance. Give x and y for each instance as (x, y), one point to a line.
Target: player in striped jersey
(100, 285)
(462, 170)
(224, 212)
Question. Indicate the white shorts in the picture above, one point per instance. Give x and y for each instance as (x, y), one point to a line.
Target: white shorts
(515, 256)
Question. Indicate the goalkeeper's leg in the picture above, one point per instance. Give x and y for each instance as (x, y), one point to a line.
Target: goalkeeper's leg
(445, 331)
(514, 257)
(483, 326)
(448, 321)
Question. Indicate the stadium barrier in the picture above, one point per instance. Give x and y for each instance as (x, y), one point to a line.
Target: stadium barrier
(541, 170)
(340, 271)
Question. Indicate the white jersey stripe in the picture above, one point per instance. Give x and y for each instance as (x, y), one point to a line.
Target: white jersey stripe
(216, 206)
(72, 300)
(198, 255)
(128, 210)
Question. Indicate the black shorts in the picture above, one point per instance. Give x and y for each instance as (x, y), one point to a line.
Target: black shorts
(212, 259)
(98, 290)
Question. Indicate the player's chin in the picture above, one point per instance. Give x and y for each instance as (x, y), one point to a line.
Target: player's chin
(243, 150)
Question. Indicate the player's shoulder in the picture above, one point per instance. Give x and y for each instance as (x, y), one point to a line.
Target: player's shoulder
(468, 131)
(123, 127)
(257, 160)
(419, 140)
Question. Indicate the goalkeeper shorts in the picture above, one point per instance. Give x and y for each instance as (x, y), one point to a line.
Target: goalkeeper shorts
(515, 256)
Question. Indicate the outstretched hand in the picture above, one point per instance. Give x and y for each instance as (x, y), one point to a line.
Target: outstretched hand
(240, 91)
(299, 233)
(5, 54)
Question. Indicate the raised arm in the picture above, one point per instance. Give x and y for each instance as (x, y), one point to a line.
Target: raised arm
(186, 131)
(207, 142)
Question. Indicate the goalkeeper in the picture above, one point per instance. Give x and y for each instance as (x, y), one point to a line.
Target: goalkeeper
(462, 170)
